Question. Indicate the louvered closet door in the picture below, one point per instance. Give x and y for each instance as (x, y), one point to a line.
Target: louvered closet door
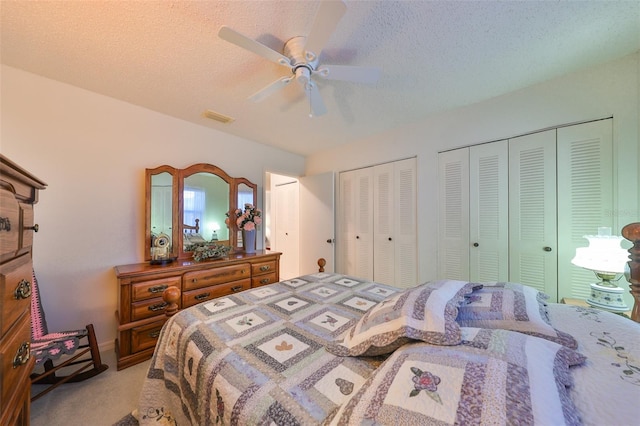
(384, 254)
(532, 211)
(585, 197)
(356, 223)
(453, 214)
(489, 212)
(364, 223)
(346, 235)
(405, 223)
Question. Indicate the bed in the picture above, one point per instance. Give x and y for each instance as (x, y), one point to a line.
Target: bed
(327, 348)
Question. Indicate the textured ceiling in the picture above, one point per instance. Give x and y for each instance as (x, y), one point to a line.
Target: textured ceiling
(434, 55)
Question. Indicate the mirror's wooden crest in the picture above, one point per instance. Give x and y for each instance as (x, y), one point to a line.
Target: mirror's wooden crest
(190, 204)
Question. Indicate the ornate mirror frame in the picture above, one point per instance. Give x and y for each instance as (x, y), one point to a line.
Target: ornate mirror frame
(149, 174)
(177, 208)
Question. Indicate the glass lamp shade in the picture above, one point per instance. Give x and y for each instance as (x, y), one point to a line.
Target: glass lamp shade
(606, 259)
(603, 255)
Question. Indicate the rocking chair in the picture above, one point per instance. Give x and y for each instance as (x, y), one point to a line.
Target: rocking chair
(49, 347)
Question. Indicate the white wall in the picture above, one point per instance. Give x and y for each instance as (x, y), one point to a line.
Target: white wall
(92, 152)
(607, 90)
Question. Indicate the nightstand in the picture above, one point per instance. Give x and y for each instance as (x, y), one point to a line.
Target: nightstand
(583, 303)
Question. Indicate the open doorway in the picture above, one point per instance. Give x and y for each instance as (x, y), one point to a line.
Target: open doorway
(281, 224)
(300, 221)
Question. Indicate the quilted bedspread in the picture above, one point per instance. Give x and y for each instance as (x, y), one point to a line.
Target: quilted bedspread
(258, 357)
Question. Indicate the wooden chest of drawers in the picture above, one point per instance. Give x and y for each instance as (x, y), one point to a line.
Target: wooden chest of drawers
(141, 310)
(18, 192)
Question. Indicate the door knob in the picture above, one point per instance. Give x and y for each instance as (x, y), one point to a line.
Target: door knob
(476, 245)
(547, 249)
(330, 240)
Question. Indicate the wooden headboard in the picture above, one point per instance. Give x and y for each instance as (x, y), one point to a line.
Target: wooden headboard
(632, 233)
(192, 228)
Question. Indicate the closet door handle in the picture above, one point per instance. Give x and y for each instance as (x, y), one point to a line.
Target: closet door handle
(547, 249)
(476, 245)
(390, 239)
(357, 237)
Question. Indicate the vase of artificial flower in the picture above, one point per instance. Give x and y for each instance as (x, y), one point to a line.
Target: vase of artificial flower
(249, 240)
(248, 221)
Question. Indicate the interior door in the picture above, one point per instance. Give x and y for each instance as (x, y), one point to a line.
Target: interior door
(453, 214)
(317, 233)
(286, 228)
(533, 258)
(489, 212)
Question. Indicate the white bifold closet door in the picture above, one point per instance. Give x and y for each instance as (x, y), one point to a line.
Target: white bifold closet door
(533, 232)
(585, 198)
(355, 223)
(394, 201)
(517, 210)
(489, 211)
(377, 236)
(453, 214)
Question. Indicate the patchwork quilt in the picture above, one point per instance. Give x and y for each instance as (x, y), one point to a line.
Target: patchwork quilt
(258, 357)
(261, 357)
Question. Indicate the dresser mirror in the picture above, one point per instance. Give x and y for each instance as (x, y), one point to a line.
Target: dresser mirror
(188, 207)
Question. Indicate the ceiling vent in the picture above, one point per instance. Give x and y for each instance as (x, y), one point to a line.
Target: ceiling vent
(217, 116)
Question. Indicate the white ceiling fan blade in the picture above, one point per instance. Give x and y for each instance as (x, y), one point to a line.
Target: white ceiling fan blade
(315, 100)
(324, 23)
(232, 36)
(270, 89)
(367, 75)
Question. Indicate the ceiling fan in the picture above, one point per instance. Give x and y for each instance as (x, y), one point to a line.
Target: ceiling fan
(301, 56)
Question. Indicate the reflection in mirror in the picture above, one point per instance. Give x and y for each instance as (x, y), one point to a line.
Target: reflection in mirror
(205, 203)
(245, 196)
(161, 227)
(161, 207)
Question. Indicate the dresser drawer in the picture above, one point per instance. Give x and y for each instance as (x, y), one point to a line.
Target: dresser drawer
(9, 223)
(145, 336)
(148, 308)
(27, 225)
(263, 279)
(199, 279)
(152, 288)
(193, 297)
(14, 348)
(15, 291)
(263, 267)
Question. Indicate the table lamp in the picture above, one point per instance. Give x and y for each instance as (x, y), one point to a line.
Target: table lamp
(607, 259)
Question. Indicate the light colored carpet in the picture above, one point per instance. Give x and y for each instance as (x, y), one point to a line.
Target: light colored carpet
(102, 400)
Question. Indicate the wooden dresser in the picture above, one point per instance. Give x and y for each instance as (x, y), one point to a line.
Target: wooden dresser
(141, 309)
(18, 193)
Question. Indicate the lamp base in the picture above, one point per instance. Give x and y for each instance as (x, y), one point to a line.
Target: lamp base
(607, 298)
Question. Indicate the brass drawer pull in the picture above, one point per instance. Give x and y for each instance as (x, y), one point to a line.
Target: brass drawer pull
(22, 355)
(23, 290)
(236, 288)
(33, 228)
(158, 288)
(5, 224)
(158, 307)
(265, 281)
(154, 334)
(202, 296)
(264, 268)
(194, 280)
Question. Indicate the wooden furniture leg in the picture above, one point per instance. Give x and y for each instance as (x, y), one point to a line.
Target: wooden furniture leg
(632, 233)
